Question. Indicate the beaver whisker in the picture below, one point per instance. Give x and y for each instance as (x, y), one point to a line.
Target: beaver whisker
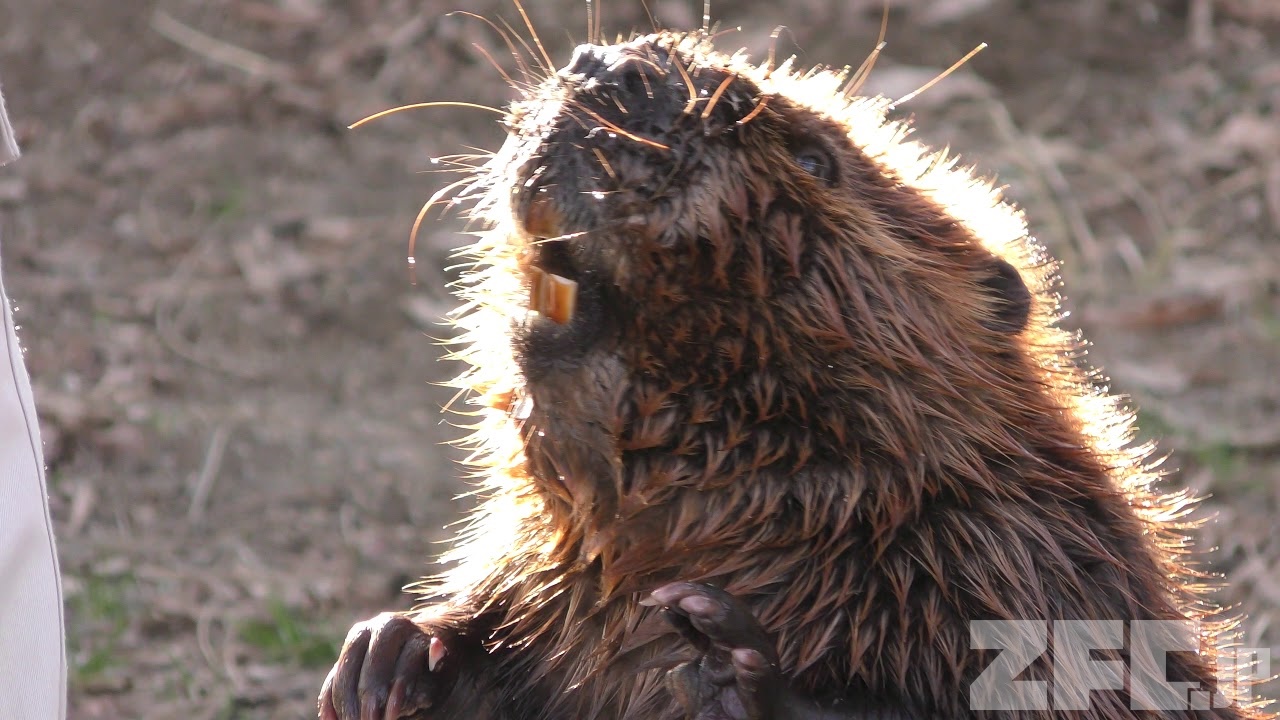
(510, 81)
(414, 106)
(422, 214)
(591, 25)
(648, 89)
(605, 163)
(644, 78)
(954, 66)
(615, 129)
(719, 34)
(550, 65)
(652, 20)
(715, 97)
(560, 238)
(688, 81)
(457, 162)
(760, 105)
(647, 60)
(480, 154)
(511, 46)
(864, 70)
(527, 71)
(770, 61)
(461, 168)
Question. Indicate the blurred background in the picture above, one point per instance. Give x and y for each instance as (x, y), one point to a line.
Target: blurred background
(236, 378)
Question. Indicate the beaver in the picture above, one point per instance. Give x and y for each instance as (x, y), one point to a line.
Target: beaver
(776, 407)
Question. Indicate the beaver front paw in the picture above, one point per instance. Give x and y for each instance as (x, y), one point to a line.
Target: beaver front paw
(390, 668)
(736, 677)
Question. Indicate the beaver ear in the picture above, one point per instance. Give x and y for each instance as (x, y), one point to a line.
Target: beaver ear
(1012, 299)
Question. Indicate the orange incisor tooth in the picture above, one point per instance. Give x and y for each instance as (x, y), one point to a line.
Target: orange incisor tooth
(541, 220)
(562, 298)
(553, 296)
(537, 291)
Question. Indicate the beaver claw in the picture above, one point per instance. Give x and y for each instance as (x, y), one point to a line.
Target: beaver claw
(736, 677)
(389, 669)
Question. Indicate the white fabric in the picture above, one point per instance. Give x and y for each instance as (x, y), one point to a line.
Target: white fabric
(33, 668)
(8, 144)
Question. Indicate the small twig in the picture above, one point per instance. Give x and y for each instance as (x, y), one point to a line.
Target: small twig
(1130, 186)
(171, 338)
(1200, 25)
(1129, 252)
(1239, 182)
(1076, 218)
(1272, 193)
(204, 640)
(83, 500)
(208, 472)
(261, 12)
(219, 51)
(1059, 109)
(940, 76)
(166, 318)
(230, 646)
(1152, 209)
(347, 524)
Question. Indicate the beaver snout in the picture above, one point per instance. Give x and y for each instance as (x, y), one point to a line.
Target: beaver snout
(640, 67)
(640, 87)
(649, 88)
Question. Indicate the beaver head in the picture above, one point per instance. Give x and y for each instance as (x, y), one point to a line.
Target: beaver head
(738, 272)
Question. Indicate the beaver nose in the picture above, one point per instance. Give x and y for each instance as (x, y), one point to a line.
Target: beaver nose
(588, 61)
(640, 66)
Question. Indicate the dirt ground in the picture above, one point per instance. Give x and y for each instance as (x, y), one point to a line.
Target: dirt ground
(236, 377)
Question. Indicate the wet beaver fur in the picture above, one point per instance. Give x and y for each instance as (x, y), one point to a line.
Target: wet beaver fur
(810, 416)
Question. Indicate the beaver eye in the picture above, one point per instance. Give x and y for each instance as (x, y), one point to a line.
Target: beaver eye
(817, 162)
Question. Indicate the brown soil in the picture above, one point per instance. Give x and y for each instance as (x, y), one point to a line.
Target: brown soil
(235, 373)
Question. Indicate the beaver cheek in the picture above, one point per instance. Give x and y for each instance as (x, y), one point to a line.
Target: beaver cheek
(574, 429)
